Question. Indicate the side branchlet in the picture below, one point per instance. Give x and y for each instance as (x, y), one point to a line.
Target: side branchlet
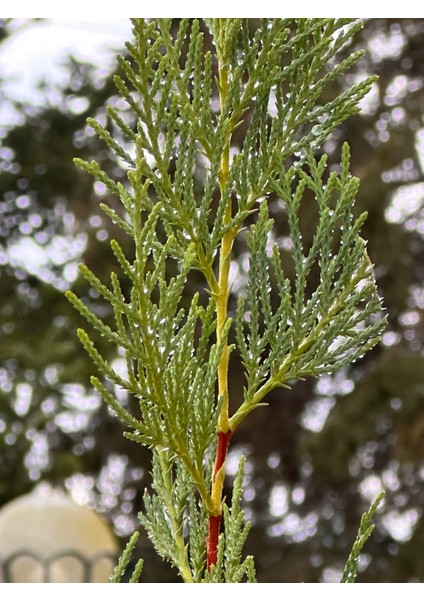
(366, 528)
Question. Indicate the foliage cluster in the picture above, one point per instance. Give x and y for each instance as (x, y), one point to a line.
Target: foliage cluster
(190, 196)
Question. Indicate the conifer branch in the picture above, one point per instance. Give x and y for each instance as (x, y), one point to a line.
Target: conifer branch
(192, 191)
(124, 561)
(366, 528)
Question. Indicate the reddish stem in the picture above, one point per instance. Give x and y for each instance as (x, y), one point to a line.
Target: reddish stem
(215, 520)
(212, 541)
(221, 450)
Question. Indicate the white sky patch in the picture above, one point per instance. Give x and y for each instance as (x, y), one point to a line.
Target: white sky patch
(79, 407)
(406, 201)
(370, 103)
(72, 421)
(37, 51)
(279, 500)
(295, 528)
(298, 495)
(37, 458)
(38, 260)
(401, 525)
(390, 338)
(233, 458)
(119, 365)
(80, 488)
(28, 254)
(23, 398)
(409, 318)
(371, 487)
(419, 144)
(390, 479)
(111, 480)
(75, 396)
(316, 413)
(386, 45)
(238, 279)
(331, 575)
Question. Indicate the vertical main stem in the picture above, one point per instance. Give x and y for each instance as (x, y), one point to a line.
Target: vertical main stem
(223, 427)
(222, 308)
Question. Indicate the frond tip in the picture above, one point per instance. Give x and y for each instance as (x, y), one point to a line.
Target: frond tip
(124, 560)
(365, 530)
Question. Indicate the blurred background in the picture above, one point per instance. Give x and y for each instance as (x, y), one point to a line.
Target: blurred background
(321, 452)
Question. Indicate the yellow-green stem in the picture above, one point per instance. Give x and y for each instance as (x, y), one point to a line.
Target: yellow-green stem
(221, 309)
(224, 266)
(225, 252)
(221, 294)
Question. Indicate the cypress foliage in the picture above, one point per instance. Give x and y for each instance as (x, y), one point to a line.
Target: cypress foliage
(184, 104)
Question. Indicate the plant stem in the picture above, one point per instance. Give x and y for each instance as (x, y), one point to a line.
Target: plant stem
(212, 541)
(223, 427)
(217, 485)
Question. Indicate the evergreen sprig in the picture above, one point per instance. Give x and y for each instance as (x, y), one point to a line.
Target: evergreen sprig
(309, 333)
(124, 561)
(191, 191)
(366, 528)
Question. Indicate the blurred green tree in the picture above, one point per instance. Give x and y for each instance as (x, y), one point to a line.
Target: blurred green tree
(331, 444)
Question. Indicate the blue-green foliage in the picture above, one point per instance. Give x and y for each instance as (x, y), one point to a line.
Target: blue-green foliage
(182, 198)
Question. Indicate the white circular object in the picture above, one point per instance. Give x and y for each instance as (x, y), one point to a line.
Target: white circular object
(58, 536)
